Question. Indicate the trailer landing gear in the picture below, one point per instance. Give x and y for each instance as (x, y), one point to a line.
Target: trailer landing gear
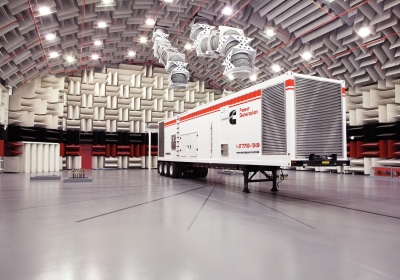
(255, 169)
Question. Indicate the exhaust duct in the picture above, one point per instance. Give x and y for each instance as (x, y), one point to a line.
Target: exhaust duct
(174, 61)
(227, 42)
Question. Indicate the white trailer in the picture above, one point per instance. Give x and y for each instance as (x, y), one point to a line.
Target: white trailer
(290, 120)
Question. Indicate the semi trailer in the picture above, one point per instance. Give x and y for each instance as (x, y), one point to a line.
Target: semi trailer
(290, 120)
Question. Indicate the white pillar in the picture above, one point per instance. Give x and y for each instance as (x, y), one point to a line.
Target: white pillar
(149, 149)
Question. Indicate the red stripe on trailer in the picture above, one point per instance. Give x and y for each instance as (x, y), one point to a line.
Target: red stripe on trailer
(170, 123)
(245, 102)
(343, 92)
(215, 108)
(289, 84)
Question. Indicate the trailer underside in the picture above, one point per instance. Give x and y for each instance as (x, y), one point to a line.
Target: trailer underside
(200, 170)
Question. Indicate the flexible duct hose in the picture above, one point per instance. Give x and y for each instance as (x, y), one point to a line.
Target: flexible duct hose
(232, 32)
(178, 78)
(241, 60)
(176, 58)
(214, 42)
(230, 46)
(197, 32)
(203, 45)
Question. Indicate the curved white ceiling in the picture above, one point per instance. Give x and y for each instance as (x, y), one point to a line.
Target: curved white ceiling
(327, 29)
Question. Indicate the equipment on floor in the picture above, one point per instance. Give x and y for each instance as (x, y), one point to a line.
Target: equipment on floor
(290, 120)
(78, 176)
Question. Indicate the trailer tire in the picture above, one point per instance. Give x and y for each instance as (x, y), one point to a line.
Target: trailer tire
(204, 172)
(161, 168)
(175, 170)
(166, 169)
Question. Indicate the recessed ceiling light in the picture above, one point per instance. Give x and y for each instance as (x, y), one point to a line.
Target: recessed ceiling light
(50, 36)
(53, 54)
(276, 68)
(227, 11)
(364, 31)
(143, 40)
(188, 46)
(270, 32)
(102, 24)
(150, 22)
(107, 2)
(97, 43)
(131, 53)
(95, 56)
(44, 11)
(307, 55)
(230, 77)
(70, 59)
(253, 77)
(169, 1)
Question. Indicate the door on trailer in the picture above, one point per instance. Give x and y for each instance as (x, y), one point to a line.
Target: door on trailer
(189, 144)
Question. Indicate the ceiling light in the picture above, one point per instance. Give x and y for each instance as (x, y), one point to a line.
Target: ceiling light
(95, 56)
(276, 68)
(53, 54)
(150, 22)
(230, 77)
(107, 2)
(131, 53)
(70, 59)
(307, 55)
(169, 1)
(143, 40)
(44, 11)
(50, 36)
(254, 77)
(97, 43)
(102, 24)
(364, 31)
(188, 46)
(270, 32)
(227, 11)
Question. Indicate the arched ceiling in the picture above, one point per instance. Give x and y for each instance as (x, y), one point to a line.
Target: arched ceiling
(327, 28)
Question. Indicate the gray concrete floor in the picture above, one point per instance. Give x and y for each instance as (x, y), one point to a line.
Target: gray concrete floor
(137, 225)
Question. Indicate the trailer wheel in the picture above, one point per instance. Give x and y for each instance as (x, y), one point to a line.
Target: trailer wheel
(166, 169)
(161, 168)
(175, 170)
(204, 172)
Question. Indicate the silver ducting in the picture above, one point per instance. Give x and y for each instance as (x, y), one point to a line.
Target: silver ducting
(228, 42)
(174, 61)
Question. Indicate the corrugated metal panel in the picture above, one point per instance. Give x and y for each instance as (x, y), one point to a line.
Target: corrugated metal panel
(161, 139)
(318, 118)
(274, 120)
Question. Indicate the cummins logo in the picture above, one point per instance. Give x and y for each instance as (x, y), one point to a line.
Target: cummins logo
(232, 118)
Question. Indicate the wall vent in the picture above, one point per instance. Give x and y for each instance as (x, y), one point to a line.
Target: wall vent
(274, 120)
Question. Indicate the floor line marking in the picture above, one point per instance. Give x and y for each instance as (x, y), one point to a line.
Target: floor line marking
(313, 201)
(136, 205)
(77, 201)
(201, 208)
(280, 212)
(334, 205)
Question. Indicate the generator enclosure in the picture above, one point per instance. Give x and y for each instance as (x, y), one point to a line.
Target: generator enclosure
(279, 122)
